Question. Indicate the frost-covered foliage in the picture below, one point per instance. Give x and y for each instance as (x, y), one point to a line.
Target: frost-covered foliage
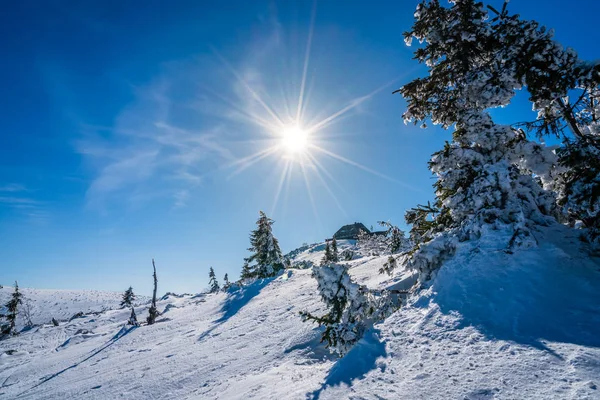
(303, 264)
(266, 260)
(395, 238)
(489, 174)
(347, 255)
(368, 244)
(579, 186)
(352, 307)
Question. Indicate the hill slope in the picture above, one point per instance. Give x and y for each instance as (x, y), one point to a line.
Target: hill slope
(490, 325)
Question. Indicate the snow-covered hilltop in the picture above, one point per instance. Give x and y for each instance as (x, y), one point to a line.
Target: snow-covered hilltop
(489, 325)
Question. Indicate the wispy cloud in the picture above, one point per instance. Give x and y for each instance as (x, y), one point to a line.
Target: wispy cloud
(13, 187)
(155, 149)
(18, 199)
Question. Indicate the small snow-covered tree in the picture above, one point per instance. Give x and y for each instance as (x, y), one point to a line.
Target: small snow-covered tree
(352, 308)
(396, 240)
(153, 311)
(327, 256)
(389, 266)
(369, 244)
(12, 308)
(266, 260)
(128, 298)
(214, 285)
(335, 257)
(226, 283)
(133, 318)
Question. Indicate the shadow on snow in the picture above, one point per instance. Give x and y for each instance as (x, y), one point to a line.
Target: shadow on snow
(236, 300)
(354, 365)
(122, 332)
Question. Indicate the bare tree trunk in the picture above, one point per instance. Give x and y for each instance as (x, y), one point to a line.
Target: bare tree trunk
(153, 312)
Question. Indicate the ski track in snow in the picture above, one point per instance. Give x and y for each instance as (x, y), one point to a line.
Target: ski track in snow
(489, 326)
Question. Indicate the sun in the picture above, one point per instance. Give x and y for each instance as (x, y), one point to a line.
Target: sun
(294, 139)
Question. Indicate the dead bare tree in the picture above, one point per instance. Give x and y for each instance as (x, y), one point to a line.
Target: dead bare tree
(26, 313)
(153, 312)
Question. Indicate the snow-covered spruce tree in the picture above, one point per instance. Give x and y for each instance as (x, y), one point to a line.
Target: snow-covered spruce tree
(565, 92)
(12, 309)
(128, 298)
(335, 257)
(266, 260)
(226, 283)
(486, 174)
(579, 186)
(132, 318)
(389, 266)
(328, 256)
(352, 307)
(214, 285)
(396, 240)
(153, 311)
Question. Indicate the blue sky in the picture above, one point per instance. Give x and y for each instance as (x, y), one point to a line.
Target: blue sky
(127, 127)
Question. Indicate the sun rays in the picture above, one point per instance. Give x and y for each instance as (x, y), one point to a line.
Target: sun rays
(292, 138)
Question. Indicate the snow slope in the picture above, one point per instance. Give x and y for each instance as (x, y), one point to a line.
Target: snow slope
(490, 325)
(63, 304)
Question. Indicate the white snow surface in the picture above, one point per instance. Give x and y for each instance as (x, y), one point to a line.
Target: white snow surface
(46, 304)
(490, 325)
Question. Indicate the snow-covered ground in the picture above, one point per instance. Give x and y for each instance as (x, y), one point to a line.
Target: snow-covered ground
(46, 304)
(490, 325)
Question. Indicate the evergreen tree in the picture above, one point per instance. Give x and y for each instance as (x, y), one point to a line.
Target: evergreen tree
(335, 257)
(395, 237)
(128, 298)
(214, 285)
(133, 318)
(389, 266)
(226, 283)
(486, 174)
(351, 307)
(153, 311)
(12, 307)
(327, 257)
(266, 260)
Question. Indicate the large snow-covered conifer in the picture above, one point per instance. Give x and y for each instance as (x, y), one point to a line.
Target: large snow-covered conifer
(489, 174)
(266, 260)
